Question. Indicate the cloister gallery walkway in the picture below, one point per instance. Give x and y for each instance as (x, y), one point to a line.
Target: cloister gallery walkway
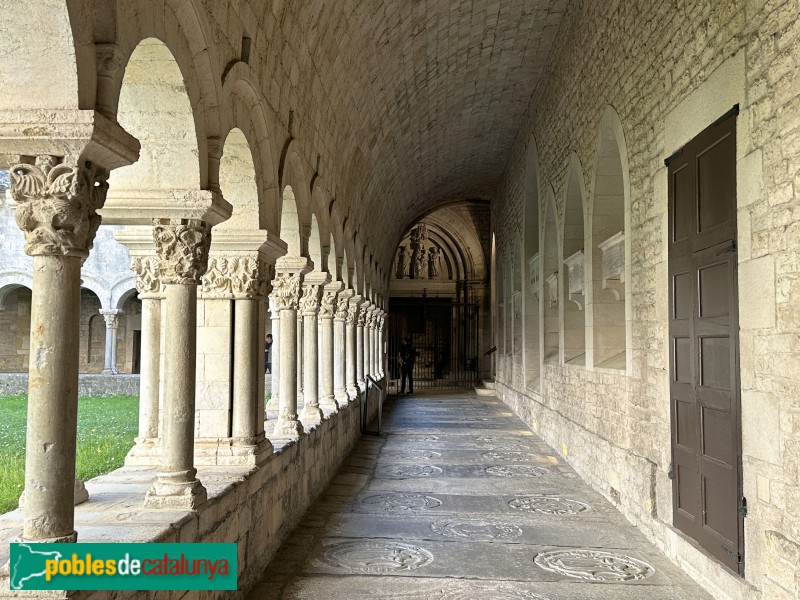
(460, 500)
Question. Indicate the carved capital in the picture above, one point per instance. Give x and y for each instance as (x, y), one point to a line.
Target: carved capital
(363, 316)
(286, 291)
(328, 304)
(236, 277)
(111, 317)
(342, 304)
(147, 279)
(57, 204)
(182, 248)
(352, 314)
(309, 302)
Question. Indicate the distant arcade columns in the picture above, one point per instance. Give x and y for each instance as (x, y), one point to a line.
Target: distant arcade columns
(313, 285)
(111, 318)
(360, 355)
(351, 343)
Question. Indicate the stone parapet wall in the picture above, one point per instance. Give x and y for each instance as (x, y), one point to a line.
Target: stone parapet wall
(255, 508)
(89, 384)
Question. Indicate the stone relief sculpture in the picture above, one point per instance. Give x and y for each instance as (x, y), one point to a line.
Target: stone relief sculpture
(435, 262)
(421, 267)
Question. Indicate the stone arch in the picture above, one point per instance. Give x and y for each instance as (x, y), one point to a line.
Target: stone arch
(295, 202)
(167, 129)
(93, 330)
(609, 255)
(15, 320)
(338, 250)
(358, 265)
(101, 291)
(320, 241)
(182, 26)
(531, 290)
(12, 280)
(238, 182)
(573, 244)
(550, 267)
(123, 292)
(244, 108)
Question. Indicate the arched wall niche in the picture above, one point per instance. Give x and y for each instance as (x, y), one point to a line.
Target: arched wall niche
(289, 229)
(295, 207)
(573, 288)
(531, 289)
(610, 245)
(551, 277)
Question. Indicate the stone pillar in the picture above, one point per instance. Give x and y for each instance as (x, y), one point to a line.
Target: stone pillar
(286, 291)
(313, 284)
(340, 348)
(368, 342)
(350, 327)
(327, 307)
(111, 318)
(148, 285)
(360, 325)
(56, 211)
(382, 343)
(182, 246)
(275, 357)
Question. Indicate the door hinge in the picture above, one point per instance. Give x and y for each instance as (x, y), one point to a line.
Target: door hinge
(671, 472)
(732, 553)
(742, 507)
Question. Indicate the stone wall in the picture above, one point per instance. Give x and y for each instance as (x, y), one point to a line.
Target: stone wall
(668, 70)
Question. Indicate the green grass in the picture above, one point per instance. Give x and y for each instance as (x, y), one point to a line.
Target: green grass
(106, 428)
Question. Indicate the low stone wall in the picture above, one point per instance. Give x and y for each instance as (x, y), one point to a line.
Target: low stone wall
(256, 508)
(89, 384)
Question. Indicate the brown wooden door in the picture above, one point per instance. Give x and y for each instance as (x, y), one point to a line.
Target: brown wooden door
(704, 343)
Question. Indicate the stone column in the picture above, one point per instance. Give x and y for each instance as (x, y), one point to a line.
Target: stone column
(182, 246)
(286, 291)
(368, 342)
(313, 284)
(350, 327)
(148, 285)
(111, 318)
(56, 211)
(360, 325)
(381, 344)
(241, 274)
(327, 307)
(275, 318)
(340, 348)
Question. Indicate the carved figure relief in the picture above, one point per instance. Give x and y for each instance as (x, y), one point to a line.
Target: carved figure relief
(594, 565)
(352, 314)
(435, 262)
(235, 277)
(549, 505)
(309, 302)
(341, 308)
(286, 290)
(374, 557)
(327, 304)
(182, 250)
(401, 502)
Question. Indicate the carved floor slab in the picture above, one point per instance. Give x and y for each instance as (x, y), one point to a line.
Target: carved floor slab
(459, 500)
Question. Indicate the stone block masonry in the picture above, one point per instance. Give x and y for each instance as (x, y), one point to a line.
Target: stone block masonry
(668, 70)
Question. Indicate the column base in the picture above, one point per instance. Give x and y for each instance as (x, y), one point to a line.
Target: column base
(177, 490)
(109, 372)
(215, 452)
(352, 393)
(312, 414)
(329, 402)
(146, 452)
(79, 494)
(288, 427)
(64, 539)
(341, 397)
(362, 386)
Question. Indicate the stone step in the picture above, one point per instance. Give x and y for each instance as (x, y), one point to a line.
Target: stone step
(484, 391)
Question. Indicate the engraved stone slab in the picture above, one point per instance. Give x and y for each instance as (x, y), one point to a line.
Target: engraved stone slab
(401, 502)
(503, 456)
(476, 529)
(498, 592)
(411, 455)
(409, 471)
(594, 565)
(375, 557)
(517, 471)
(549, 505)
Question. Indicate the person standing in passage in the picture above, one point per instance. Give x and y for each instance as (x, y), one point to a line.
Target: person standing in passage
(408, 356)
(268, 354)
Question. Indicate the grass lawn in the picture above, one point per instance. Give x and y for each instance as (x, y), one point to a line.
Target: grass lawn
(106, 428)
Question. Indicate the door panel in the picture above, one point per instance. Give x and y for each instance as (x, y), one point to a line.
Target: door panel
(704, 369)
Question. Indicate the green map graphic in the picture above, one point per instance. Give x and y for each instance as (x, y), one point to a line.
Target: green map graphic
(28, 564)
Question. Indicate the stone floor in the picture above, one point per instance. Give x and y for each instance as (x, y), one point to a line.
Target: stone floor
(460, 500)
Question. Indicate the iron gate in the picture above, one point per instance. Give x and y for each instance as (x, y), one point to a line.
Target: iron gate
(445, 334)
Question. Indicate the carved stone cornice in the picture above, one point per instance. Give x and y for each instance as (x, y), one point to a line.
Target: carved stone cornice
(286, 290)
(239, 277)
(148, 283)
(57, 204)
(182, 248)
(310, 300)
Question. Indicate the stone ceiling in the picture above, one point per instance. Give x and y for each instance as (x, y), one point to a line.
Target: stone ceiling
(422, 98)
